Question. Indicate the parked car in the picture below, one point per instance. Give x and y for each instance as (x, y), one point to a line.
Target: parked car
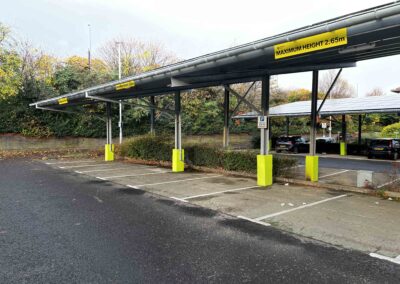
(293, 144)
(325, 140)
(384, 147)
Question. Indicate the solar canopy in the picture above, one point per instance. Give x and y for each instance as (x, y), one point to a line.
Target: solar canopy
(376, 104)
(339, 42)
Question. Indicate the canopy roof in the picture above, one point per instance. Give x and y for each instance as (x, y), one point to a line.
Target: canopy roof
(376, 104)
(339, 42)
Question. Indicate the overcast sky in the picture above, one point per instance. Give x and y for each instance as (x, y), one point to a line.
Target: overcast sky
(187, 28)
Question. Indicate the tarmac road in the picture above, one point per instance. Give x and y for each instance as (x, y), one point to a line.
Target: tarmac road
(58, 227)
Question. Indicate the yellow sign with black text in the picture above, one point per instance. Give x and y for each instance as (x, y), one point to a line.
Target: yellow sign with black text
(62, 101)
(125, 85)
(312, 43)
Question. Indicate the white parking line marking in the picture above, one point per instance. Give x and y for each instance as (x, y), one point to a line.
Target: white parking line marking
(98, 199)
(333, 174)
(298, 208)
(387, 183)
(100, 170)
(69, 162)
(255, 221)
(391, 259)
(83, 166)
(173, 181)
(105, 170)
(132, 175)
(218, 192)
(179, 199)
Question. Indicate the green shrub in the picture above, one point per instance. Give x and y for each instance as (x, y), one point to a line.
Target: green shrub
(147, 147)
(204, 155)
(390, 130)
(243, 161)
(159, 148)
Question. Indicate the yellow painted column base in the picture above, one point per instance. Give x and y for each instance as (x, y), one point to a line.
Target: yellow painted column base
(264, 170)
(343, 149)
(178, 164)
(109, 152)
(312, 168)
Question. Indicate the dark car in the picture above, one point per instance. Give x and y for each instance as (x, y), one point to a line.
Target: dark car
(384, 147)
(293, 144)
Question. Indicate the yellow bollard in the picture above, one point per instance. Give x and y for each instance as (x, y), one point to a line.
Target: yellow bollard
(264, 170)
(178, 164)
(109, 152)
(312, 168)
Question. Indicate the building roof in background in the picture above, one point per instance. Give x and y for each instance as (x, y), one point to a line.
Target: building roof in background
(375, 104)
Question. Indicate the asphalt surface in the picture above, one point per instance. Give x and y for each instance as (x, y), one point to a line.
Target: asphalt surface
(58, 227)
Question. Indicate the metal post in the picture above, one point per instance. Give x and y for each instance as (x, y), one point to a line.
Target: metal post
(109, 128)
(264, 135)
(344, 128)
(120, 102)
(152, 114)
(226, 118)
(287, 125)
(178, 135)
(359, 132)
(314, 101)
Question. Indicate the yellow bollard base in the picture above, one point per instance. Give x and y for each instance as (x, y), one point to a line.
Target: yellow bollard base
(343, 149)
(178, 164)
(109, 152)
(312, 168)
(264, 170)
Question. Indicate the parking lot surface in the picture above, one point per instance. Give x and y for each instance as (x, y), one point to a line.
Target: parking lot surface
(60, 226)
(348, 220)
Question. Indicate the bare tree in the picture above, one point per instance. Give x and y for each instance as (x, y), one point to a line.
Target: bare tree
(375, 92)
(136, 56)
(342, 88)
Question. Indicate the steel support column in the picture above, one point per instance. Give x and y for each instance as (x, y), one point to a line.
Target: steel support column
(264, 160)
(120, 121)
(359, 133)
(312, 159)
(109, 147)
(178, 153)
(226, 118)
(287, 125)
(343, 143)
(152, 114)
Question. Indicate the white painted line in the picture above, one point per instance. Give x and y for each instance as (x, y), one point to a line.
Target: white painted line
(300, 207)
(83, 166)
(105, 170)
(98, 199)
(255, 221)
(132, 175)
(179, 199)
(333, 174)
(387, 183)
(173, 181)
(69, 162)
(219, 192)
(391, 259)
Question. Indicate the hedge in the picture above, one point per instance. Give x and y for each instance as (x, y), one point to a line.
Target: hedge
(159, 148)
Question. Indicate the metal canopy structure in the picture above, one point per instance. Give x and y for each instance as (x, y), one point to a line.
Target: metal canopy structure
(375, 104)
(336, 43)
(369, 34)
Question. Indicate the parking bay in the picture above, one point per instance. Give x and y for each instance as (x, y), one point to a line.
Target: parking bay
(354, 221)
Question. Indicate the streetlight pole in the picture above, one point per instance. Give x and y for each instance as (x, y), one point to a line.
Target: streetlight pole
(90, 47)
(120, 102)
